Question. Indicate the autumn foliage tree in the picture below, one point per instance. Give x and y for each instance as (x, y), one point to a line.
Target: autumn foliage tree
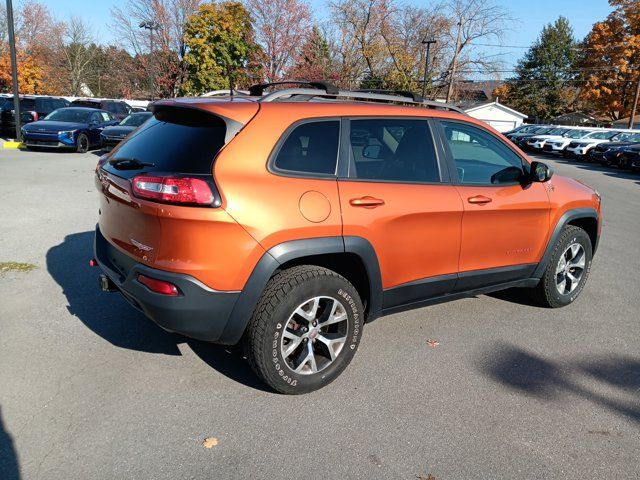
(219, 40)
(611, 61)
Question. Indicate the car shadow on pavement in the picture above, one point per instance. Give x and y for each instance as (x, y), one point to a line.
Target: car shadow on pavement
(9, 467)
(538, 377)
(112, 318)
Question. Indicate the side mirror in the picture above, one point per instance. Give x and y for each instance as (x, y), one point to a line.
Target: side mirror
(371, 151)
(541, 172)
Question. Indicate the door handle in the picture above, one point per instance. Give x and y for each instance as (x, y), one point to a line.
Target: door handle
(366, 202)
(479, 199)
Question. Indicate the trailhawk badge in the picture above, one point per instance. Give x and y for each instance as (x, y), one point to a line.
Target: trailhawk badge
(141, 246)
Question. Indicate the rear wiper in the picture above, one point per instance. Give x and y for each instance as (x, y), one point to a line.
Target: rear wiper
(129, 163)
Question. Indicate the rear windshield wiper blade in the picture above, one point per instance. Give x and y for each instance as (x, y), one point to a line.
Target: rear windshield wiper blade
(129, 163)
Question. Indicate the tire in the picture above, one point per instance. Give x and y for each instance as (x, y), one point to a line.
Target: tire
(276, 342)
(548, 292)
(82, 143)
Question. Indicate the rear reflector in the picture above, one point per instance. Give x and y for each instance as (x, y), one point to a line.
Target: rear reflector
(158, 286)
(180, 190)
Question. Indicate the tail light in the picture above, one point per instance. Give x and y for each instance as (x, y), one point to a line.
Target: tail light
(178, 190)
(158, 286)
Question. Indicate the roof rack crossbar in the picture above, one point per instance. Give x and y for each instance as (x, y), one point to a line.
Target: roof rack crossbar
(310, 93)
(258, 90)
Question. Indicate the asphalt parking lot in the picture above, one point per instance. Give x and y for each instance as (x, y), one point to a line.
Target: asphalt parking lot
(91, 389)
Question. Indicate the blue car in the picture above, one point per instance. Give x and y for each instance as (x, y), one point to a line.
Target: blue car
(76, 128)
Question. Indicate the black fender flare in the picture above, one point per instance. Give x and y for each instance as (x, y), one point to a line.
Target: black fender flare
(292, 250)
(567, 217)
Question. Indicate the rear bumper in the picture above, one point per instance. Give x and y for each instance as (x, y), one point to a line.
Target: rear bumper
(198, 312)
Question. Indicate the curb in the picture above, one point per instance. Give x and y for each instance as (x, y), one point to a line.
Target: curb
(13, 145)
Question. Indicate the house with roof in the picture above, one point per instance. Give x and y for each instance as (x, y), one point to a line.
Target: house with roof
(499, 116)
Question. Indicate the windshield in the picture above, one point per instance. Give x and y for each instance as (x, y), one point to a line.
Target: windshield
(628, 137)
(135, 120)
(602, 135)
(557, 131)
(72, 115)
(543, 131)
(577, 133)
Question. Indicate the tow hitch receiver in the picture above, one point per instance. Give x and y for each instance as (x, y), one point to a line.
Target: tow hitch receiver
(106, 285)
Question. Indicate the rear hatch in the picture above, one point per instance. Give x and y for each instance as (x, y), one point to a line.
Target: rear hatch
(142, 181)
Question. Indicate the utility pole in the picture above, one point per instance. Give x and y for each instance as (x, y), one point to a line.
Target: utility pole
(151, 25)
(455, 61)
(634, 107)
(14, 69)
(426, 63)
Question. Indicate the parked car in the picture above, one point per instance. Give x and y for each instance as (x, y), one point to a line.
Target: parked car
(609, 154)
(75, 128)
(289, 223)
(580, 149)
(117, 108)
(536, 142)
(111, 136)
(559, 144)
(521, 139)
(524, 128)
(32, 108)
(630, 158)
(514, 137)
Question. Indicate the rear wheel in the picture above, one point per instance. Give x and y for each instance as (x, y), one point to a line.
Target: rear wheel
(567, 271)
(305, 330)
(82, 143)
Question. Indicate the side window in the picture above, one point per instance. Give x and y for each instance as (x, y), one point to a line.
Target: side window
(95, 117)
(105, 117)
(393, 149)
(480, 158)
(311, 147)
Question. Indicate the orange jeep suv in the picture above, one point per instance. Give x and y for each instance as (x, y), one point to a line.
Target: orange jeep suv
(287, 219)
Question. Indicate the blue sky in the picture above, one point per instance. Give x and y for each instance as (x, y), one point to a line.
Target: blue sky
(532, 15)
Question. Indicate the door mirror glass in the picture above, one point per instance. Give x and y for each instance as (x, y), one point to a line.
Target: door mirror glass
(371, 151)
(541, 172)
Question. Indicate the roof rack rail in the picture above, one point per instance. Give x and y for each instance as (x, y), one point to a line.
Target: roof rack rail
(307, 94)
(403, 93)
(258, 89)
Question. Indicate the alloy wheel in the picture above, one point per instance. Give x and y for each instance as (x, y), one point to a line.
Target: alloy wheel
(570, 268)
(314, 335)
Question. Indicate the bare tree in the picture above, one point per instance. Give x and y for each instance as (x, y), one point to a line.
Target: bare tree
(359, 25)
(473, 20)
(281, 26)
(77, 54)
(172, 17)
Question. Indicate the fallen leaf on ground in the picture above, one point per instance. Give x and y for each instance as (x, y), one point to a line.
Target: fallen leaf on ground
(210, 442)
(433, 343)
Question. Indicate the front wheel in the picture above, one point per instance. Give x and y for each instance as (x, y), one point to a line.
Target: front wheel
(567, 271)
(305, 330)
(82, 143)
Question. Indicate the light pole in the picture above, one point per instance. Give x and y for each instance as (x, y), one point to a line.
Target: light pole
(426, 63)
(14, 69)
(151, 25)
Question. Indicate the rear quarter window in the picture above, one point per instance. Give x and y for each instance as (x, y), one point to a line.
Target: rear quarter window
(309, 148)
(180, 141)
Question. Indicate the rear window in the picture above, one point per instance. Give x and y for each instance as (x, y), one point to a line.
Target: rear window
(25, 104)
(173, 141)
(85, 103)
